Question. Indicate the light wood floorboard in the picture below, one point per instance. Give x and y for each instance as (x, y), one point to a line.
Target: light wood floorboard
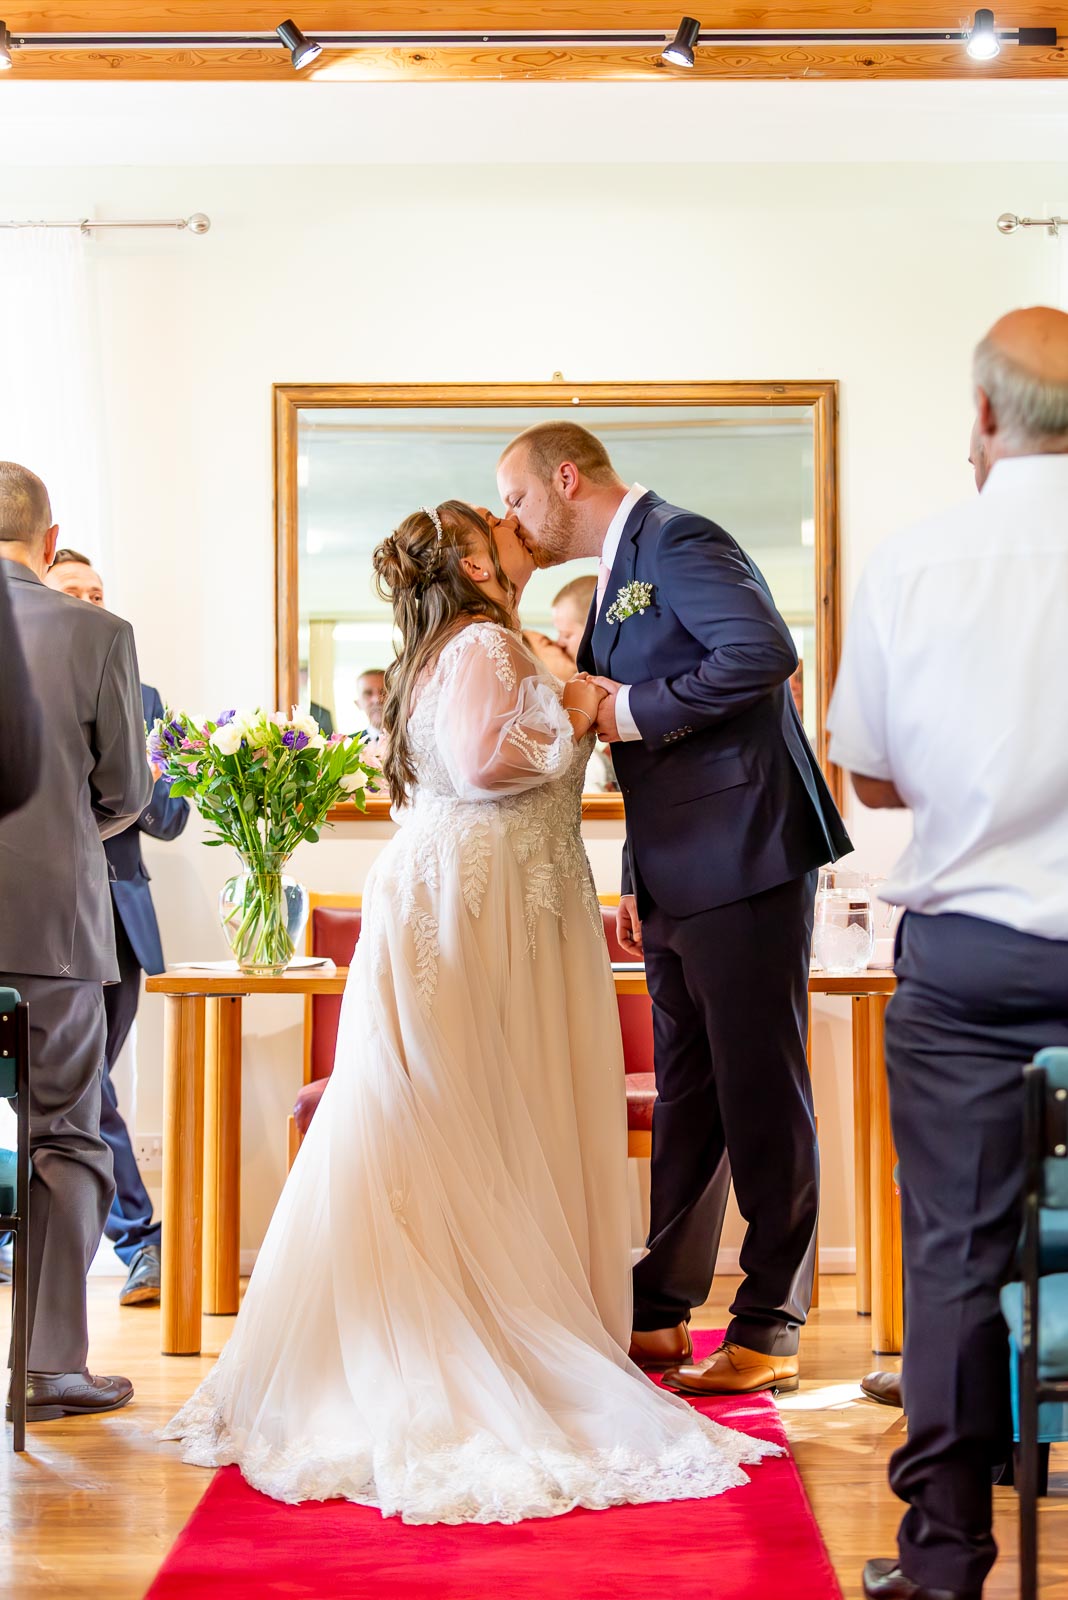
(93, 1507)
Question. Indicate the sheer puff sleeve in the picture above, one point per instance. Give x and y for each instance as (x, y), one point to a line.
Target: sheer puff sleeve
(500, 726)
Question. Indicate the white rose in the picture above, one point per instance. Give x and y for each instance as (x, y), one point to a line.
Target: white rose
(303, 722)
(353, 782)
(227, 740)
(316, 742)
(279, 719)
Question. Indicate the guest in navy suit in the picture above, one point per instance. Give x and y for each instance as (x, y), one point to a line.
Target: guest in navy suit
(130, 1226)
(728, 822)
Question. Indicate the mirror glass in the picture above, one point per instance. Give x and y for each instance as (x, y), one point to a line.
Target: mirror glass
(359, 471)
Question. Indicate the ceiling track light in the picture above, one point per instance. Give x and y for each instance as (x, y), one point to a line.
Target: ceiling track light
(679, 53)
(983, 42)
(302, 51)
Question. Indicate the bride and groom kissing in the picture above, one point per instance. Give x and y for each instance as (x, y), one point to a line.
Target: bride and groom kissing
(470, 1342)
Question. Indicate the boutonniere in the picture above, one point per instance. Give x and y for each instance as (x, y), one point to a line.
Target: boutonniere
(634, 599)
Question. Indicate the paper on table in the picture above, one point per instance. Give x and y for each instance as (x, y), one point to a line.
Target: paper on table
(628, 966)
(321, 964)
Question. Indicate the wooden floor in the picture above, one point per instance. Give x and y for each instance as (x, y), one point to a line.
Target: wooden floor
(94, 1505)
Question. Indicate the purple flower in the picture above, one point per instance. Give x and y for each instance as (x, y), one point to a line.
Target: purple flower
(294, 740)
(157, 750)
(225, 716)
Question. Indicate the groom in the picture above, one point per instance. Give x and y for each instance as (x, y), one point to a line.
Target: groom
(728, 821)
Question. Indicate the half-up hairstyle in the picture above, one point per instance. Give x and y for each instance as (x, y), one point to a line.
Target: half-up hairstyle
(418, 569)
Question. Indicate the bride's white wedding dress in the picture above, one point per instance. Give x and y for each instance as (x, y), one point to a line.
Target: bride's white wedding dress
(438, 1320)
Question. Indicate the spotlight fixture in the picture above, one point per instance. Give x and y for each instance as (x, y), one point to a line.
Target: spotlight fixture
(5, 48)
(301, 50)
(983, 42)
(679, 53)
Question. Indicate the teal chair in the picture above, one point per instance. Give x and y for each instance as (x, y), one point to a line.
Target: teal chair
(15, 1191)
(1036, 1308)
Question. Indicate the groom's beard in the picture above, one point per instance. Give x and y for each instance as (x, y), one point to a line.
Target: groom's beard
(555, 539)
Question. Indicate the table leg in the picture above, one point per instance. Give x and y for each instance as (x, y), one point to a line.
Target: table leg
(887, 1300)
(183, 1173)
(862, 1150)
(222, 1157)
(815, 1300)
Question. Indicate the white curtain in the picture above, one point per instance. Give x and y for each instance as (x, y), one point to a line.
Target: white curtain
(50, 395)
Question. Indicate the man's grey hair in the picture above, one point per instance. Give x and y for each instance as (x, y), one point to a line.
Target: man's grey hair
(1031, 412)
(25, 512)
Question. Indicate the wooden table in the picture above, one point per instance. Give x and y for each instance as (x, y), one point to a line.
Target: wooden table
(202, 1143)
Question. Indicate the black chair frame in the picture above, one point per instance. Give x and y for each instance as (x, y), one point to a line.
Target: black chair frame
(15, 1047)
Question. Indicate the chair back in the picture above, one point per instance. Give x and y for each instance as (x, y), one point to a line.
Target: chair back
(1047, 1129)
(10, 999)
(334, 925)
(635, 1010)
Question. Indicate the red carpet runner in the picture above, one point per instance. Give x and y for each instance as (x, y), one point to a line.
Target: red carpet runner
(755, 1543)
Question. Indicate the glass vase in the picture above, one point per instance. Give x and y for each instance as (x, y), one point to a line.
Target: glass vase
(264, 914)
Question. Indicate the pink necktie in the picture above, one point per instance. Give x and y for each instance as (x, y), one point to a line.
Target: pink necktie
(603, 575)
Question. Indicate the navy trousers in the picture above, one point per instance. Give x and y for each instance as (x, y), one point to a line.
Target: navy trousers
(129, 1226)
(975, 1000)
(730, 1022)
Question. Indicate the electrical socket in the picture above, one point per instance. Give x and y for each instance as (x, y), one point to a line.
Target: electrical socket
(148, 1151)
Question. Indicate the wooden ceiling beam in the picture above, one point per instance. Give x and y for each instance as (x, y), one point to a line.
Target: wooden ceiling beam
(523, 62)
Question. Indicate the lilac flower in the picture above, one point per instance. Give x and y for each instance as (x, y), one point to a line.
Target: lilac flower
(294, 739)
(157, 750)
(225, 716)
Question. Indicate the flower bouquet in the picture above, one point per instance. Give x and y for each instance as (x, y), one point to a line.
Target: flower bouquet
(264, 783)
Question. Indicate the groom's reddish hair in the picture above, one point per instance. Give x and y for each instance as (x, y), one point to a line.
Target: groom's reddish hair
(549, 444)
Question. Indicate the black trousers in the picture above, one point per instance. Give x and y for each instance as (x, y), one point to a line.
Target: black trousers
(975, 1000)
(129, 1226)
(730, 1022)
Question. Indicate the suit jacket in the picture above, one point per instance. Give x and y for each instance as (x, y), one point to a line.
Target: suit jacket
(20, 717)
(95, 779)
(723, 795)
(163, 818)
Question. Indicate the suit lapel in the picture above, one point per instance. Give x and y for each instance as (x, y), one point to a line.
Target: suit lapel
(605, 634)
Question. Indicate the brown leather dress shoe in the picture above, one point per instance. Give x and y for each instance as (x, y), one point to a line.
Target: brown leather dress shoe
(883, 1387)
(732, 1369)
(661, 1348)
(884, 1580)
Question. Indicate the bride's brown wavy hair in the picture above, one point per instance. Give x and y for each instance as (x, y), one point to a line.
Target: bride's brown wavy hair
(432, 598)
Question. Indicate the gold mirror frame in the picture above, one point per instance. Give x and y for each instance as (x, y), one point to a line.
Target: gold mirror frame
(822, 395)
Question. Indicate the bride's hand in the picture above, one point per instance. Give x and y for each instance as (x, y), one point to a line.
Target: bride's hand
(581, 699)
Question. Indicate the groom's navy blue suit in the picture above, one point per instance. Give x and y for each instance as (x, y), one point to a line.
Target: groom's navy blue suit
(728, 820)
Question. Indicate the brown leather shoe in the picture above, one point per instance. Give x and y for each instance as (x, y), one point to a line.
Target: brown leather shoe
(732, 1369)
(883, 1387)
(661, 1348)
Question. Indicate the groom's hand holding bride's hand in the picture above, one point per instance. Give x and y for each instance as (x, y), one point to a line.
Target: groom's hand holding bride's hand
(581, 700)
(606, 711)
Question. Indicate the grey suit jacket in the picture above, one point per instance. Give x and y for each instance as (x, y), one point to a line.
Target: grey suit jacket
(55, 903)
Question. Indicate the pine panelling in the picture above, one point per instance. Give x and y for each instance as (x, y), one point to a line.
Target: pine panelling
(563, 63)
(552, 65)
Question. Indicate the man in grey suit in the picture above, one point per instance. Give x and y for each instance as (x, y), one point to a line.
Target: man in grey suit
(57, 938)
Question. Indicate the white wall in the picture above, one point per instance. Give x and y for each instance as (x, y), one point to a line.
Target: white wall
(880, 276)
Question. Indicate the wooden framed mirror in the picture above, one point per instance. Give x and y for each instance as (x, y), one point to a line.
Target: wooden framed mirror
(352, 459)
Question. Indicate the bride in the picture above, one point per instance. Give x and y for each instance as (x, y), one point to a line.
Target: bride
(438, 1322)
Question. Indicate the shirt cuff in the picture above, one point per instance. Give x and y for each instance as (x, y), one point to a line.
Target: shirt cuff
(625, 723)
(854, 758)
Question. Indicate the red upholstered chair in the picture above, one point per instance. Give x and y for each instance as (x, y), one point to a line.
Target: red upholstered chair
(333, 929)
(636, 1024)
(334, 922)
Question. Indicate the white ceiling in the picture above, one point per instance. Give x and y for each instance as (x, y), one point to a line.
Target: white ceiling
(184, 124)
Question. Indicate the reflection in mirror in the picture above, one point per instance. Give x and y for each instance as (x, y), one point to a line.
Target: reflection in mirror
(360, 469)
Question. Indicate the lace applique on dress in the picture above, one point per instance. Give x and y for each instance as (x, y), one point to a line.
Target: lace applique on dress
(541, 825)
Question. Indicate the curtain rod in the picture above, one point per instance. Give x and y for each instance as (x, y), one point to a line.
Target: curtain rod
(1008, 222)
(465, 38)
(197, 223)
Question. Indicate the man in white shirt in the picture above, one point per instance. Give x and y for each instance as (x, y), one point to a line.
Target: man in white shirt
(952, 700)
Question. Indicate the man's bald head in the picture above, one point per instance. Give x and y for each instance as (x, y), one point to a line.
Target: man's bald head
(1021, 379)
(25, 512)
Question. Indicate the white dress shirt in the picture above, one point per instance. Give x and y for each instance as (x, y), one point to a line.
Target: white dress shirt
(628, 728)
(954, 686)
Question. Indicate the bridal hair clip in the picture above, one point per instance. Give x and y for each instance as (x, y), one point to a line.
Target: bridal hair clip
(436, 520)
